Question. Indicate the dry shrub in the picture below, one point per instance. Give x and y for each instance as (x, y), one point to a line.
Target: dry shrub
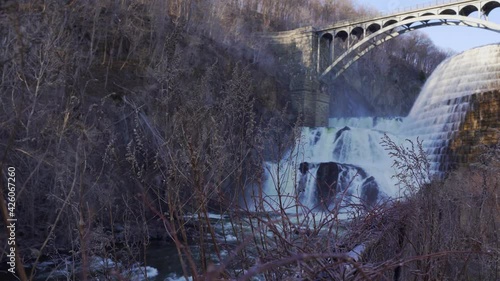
(448, 230)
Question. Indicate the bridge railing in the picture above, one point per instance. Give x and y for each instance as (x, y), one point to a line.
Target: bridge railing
(421, 6)
(400, 10)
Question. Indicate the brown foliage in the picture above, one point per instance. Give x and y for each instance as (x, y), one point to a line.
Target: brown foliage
(447, 230)
(101, 117)
(119, 131)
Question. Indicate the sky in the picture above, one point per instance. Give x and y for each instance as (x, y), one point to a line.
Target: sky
(456, 38)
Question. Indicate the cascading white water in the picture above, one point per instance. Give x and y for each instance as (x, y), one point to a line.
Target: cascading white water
(384, 124)
(356, 152)
(444, 100)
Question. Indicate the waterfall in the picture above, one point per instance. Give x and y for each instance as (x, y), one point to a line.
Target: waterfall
(345, 163)
(443, 103)
(327, 164)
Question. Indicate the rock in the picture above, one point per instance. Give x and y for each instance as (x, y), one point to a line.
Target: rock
(369, 191)
(326, 182)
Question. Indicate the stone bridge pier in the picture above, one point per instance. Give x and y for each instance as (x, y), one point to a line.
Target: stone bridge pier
(297, 51)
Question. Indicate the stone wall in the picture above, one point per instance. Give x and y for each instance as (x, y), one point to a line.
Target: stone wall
(480, 129)
(297, 52)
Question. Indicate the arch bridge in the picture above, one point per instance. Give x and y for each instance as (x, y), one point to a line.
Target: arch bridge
(325, 53)
(360, 36)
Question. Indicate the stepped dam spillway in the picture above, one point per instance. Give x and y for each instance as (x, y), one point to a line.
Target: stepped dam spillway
(458, 108)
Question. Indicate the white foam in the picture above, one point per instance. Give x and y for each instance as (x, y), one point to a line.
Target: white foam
(175, 277)
(342, 144)
(139, 272)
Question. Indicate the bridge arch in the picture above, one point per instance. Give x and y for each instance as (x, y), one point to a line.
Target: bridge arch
(448, 12)
(327, 36)
(374, 27)
(358, 31)
(390, 22)
(392, 28)
(342, 34)
(469, 9)
(324, 47)
(325, 41)
(428, 14)
(409, 17)
(490, 6)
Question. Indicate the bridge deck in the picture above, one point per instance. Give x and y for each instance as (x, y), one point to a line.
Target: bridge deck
(409, 11)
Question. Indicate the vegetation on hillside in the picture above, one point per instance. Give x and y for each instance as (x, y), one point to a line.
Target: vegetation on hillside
(126, 119)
